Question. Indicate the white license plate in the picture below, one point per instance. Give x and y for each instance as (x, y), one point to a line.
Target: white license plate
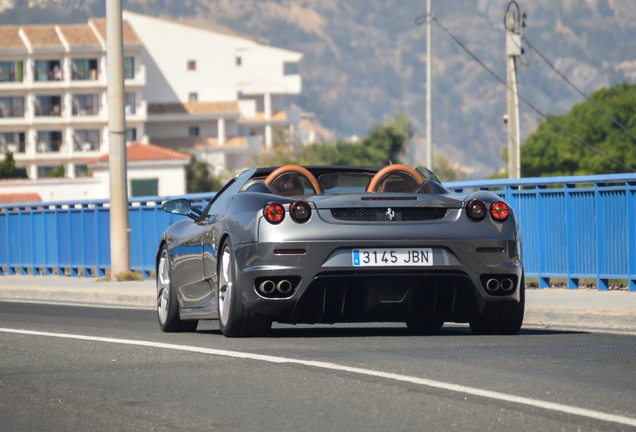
(392, 257)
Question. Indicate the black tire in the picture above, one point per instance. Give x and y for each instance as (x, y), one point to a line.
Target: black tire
(234, 319)
(167, 302)
(505, 322)
(423, 327)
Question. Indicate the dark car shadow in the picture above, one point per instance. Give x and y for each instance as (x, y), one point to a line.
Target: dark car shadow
(353, 331)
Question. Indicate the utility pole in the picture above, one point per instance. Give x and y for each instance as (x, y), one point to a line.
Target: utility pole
(119, 231)
(429, 90)
(513, 50)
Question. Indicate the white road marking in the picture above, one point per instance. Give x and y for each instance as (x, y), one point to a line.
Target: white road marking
(551, 406)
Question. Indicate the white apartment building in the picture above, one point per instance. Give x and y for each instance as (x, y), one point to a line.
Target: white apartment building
(215, 96)
(53, 94)
(219, 97)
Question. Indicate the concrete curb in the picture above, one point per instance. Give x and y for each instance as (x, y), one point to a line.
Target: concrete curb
(609, 319)
(141, 297)
(615, 310)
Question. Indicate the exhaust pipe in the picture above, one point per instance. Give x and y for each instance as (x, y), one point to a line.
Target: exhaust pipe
(267, 287)
(493, 285)
(284, 287)
(507, 284)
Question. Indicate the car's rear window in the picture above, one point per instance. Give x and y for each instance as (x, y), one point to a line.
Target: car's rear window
(344, 182)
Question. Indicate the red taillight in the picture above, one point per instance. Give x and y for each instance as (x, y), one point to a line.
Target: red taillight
(499, 211)
(274, 213)
(476, 210)
(300, 211)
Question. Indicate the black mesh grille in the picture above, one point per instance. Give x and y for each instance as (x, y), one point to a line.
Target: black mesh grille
(384, 213)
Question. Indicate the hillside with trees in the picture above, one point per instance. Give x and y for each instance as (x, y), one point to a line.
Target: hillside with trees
(551, 152)
(365, 61)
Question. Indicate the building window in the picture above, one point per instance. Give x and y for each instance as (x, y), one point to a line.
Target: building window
(131, 106)
(51, 171)
(84, 70)
(131, 135)
(48, 106)
(192, 65)
(11, 71)
(11, 107)
(238, 60)
(290, 68)
(13, 142)
(82, 171)
(86, 105)
(193, 131)
(86, 140)
(144, 187)
(129, 68)
(48, 70)
(49, 141)
(193, 97)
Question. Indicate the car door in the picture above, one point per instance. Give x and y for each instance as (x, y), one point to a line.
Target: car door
(188, 266)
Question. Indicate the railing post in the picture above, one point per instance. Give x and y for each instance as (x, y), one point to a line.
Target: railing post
(60, 269)
(601, 250)
(21, 264)
(10, 270)
(573, 283)
(544, 282)
(630, 194)
(3, 223)
(34, 271)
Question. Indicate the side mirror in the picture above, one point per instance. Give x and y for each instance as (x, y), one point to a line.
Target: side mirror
(179, 206)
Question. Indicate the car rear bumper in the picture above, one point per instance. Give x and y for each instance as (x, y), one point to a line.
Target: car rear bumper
(328, 288)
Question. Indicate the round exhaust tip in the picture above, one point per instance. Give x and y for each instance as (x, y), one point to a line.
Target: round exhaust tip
(507, 284)
(284, 286)
(267, 287)
(492, 285)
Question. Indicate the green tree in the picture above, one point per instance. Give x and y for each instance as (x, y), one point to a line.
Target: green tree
(444, 169)
(383, 144)
(198, 178)
(551, 152)
(8, 168)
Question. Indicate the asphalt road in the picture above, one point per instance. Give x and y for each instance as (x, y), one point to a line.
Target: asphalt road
(72, 368)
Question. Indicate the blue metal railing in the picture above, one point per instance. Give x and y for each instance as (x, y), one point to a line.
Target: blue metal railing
(74, 236)
(576, 228)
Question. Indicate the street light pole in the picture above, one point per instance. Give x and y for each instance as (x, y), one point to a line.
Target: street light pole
(429, 90)
(513, 50)
(119, 231)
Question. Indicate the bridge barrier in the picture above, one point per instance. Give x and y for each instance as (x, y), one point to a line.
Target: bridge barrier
(581, 227)
(74, 237)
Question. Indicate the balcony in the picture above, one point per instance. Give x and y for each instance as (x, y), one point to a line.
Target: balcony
(10, 77)
(86, 140)
(135, 77)
(11, 74)
(48, 110)
(11, 112)
(13, 147)
(137, 112)
(48, 146)
(85, 146)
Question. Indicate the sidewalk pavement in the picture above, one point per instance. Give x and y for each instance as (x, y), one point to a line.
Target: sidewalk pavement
(610, 310)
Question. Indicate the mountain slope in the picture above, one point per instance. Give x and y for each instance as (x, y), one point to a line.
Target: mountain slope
(366, 60)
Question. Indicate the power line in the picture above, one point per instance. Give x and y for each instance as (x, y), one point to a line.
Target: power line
(616, 122)
(527, 102)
